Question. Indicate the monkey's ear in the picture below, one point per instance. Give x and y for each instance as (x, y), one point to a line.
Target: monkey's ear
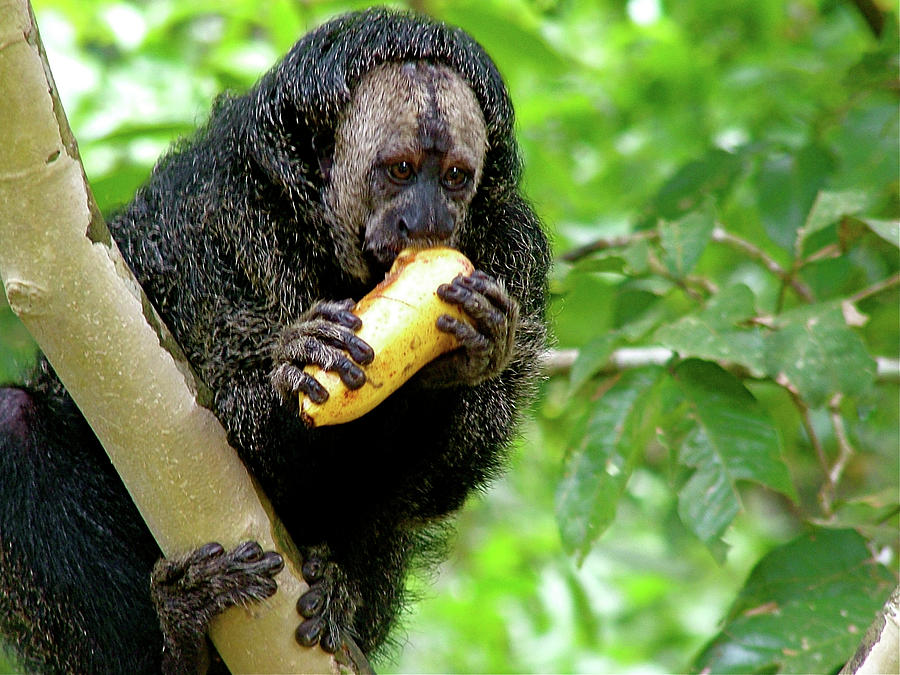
(270, 149)
(325, 164)
(324, 149)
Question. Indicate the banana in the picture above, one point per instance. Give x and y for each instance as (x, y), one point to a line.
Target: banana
(399, 322)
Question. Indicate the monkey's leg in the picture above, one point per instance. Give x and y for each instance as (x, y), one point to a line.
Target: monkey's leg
(75, 556)
(189, 591)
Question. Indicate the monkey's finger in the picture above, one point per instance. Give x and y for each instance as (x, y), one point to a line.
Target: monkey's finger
(330, 640)
(489, 320)
(493, 290)
(318, 341)
(358, 349)
(311, 603)
(249, 551)
(351, 374)
(309, 631)
(341, 338)
(336, 311)
(289, 381)
(268, 566)
(252, 559)
(169, 571)
(333, 358)
(469, 338)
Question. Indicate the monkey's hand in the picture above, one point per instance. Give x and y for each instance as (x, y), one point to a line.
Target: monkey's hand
(322, 336)
(487, 340)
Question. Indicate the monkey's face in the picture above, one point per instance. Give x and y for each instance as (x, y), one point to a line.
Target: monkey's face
(408, 157)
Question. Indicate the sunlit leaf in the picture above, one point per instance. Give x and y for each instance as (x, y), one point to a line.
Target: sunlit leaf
(819, 355)
(828, 208)
(683, 241)
(889, 230)
(713, 333)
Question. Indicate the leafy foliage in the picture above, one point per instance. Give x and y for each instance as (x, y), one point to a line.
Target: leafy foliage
(722, 181)
(779, 619)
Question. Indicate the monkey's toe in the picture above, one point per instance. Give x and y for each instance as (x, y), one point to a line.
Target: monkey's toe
(325, 606)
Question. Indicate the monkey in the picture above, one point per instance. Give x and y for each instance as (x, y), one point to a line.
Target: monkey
(378, 131)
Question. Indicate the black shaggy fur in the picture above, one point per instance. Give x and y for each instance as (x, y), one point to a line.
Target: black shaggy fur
(230, 243)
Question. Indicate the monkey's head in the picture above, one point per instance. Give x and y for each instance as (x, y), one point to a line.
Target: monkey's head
(408, 156)
(391, 130)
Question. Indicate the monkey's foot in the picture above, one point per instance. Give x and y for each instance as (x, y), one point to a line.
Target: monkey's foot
(326, 606)
(189, 591)
(212, 579)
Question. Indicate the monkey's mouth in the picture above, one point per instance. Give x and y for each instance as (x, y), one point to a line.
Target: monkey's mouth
(381, 255)
(378, 262)
(380, 258)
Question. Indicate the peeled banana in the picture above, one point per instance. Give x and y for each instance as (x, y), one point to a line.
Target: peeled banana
(399, 322)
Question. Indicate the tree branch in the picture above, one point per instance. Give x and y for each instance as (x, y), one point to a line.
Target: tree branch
(576, 254)
(754, 252)
(66, 280)
(559, 362)
(875, 288)
(845, 451)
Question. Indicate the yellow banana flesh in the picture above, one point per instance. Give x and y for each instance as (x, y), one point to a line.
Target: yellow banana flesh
(399, 322)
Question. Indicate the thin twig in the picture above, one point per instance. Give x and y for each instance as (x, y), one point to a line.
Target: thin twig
(559, 361)
(580, 252)
(845, 452)
(828, 252)
(806, 419)
(882, 285)
(887, 370)
(722, 236)
(689, 284)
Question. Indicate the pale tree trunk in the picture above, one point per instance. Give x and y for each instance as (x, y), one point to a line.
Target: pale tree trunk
(66, 280)
(880, 648)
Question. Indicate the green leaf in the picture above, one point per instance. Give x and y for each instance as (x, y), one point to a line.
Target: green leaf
(889, 230)
(732, 305)
(803, 609)
(712, 334)
(819, 355)
(618, 428)
(829, 208)
(787, 187)
(637, 257)
(732, 439)
(683, 241)
(117, 187)
(713, 176)
(591, 358)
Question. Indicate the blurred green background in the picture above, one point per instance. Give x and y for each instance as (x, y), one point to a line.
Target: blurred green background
(631, 116)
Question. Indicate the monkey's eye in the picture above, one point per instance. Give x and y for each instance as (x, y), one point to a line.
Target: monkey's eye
(402, 172)
(455, 178)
